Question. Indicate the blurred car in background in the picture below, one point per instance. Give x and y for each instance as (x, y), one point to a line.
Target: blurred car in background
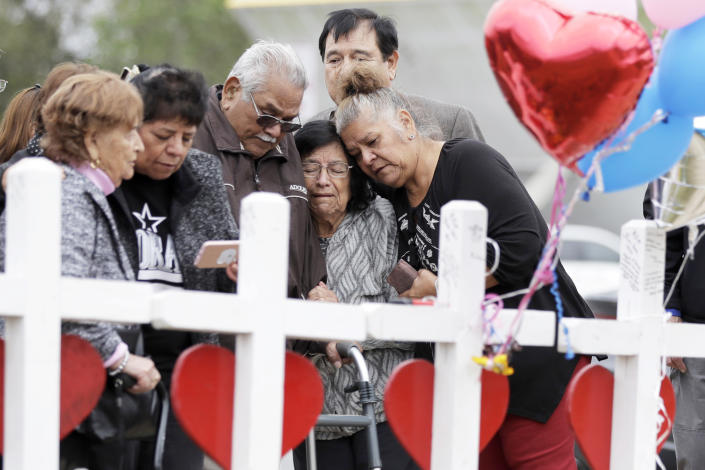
(590, 255)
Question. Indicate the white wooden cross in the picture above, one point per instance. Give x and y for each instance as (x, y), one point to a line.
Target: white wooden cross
(638, 338)
(36, 298)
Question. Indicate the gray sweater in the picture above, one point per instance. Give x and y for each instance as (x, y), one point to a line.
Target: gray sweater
(359, 257)
(90, 248)
(199, 212)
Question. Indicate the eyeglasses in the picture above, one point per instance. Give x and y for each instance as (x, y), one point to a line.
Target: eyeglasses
(267, 120)
(335, 169)
(3, 85)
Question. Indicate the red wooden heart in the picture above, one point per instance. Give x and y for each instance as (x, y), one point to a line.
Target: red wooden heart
(590, 409)
(82, 383)
(668, 414)
(202, 397)
(408, 403)
(571, 80)
(590, 396)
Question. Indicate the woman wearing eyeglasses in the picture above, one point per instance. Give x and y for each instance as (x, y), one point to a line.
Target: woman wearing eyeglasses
(358, 237)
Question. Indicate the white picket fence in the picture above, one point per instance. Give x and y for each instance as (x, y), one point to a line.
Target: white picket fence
(35, 298)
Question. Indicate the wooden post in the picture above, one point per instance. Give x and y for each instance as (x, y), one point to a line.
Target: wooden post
(259, 378)
(637, 378)
(456, 403)
(32, 344)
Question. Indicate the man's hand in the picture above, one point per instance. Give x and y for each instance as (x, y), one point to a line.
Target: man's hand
(676, 362)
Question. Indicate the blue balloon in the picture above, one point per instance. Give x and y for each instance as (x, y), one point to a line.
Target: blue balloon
(651, 154)
(682, 70)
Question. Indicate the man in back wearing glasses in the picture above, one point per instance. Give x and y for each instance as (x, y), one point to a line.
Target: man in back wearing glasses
(249, 126)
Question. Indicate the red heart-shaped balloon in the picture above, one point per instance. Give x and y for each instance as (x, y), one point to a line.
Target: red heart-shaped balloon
(202, 397)
(82, 383)
(590, 395)
(571, 80)
(408, 403)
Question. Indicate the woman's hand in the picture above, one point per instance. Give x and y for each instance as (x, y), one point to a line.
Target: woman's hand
(143, 370)
(231, 271)
(334, 357)
(423, 286)
(323, 293)
(490, 281)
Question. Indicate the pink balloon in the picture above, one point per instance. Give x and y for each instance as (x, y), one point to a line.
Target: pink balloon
(672, 14)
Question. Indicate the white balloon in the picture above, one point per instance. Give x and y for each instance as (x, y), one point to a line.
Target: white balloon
(625, 8)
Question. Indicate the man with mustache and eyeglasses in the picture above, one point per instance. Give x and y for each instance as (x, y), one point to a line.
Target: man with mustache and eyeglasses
(249, 126)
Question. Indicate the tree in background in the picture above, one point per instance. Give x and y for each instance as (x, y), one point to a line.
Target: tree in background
(31, 41)
(35, 36)
(201, 35)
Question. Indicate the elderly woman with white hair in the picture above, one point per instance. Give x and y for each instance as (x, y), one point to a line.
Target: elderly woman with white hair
(248, 126)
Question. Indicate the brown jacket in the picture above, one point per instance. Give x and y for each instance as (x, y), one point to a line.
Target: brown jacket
(278, 171)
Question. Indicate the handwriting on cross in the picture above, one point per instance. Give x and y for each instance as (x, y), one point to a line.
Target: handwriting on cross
(638, 338)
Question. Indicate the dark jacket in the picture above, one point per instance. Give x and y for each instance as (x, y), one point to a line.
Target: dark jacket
(278, 171)
(689, 291)
(199, 212)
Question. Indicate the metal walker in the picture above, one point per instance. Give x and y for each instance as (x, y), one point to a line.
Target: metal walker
(366, 420)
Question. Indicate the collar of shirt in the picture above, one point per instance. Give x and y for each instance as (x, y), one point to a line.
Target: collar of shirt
(97, 176)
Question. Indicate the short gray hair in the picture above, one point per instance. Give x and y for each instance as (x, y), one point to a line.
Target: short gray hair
(385, 103)
(264, 57)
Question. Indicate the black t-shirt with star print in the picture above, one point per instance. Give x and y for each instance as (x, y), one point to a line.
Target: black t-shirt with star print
(471, 170)
(149, 202)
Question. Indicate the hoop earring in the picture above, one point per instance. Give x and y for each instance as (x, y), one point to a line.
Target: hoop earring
(94, 163)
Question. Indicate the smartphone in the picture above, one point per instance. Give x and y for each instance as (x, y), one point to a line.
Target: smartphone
(217, 253)
(402, 276)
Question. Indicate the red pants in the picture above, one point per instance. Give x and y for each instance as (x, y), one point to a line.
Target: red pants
(523, 444)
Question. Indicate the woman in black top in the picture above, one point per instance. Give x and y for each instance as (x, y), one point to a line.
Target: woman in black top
(175, 202)
(423, 174)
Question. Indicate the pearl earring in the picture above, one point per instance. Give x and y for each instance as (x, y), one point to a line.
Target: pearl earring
(411, 136)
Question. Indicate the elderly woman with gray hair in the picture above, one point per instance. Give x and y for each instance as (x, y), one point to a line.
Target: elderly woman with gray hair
(358, 236)
(379, 130)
